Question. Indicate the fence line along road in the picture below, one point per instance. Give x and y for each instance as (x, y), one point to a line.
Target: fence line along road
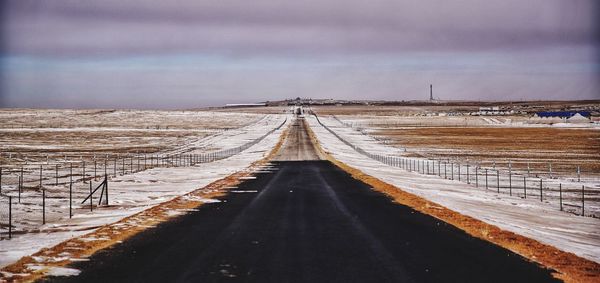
(568, 196)
(533, 168)
(40, 192)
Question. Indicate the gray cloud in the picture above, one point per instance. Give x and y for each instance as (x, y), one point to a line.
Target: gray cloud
(151, 53)
(117, 27)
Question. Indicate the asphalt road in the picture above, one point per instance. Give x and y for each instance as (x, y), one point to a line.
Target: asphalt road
(308, 221)
(297, 144)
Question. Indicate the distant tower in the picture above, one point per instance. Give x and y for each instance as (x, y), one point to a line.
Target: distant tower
(430, 92)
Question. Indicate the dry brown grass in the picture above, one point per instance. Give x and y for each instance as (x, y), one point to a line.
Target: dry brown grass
(563, 147)
(569, 267)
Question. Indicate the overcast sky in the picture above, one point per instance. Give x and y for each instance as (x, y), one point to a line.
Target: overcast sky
(190, 53)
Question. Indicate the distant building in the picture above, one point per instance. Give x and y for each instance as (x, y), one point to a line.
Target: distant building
(562, 114)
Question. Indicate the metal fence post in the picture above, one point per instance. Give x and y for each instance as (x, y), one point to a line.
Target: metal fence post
(21, 184)
(560, 195)
(524, 186)
(43, 198)
(583, 200)
(9, 217)
(56, 176)
(541, 194)
(498, 180)
(71, 191)
(106, 188)
(509, 182)
(91, 197)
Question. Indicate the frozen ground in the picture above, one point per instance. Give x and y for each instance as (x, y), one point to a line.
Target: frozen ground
(30, 135)
(528, 217)
(133, 193)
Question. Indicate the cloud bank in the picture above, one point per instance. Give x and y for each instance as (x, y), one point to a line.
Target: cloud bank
(170, 54)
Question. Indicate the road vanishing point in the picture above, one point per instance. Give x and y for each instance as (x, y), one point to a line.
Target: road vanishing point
(306, 220)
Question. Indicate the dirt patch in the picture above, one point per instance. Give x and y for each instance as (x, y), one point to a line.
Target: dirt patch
(569, 267)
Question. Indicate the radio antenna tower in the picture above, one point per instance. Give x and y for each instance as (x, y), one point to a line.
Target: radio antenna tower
(430, 92)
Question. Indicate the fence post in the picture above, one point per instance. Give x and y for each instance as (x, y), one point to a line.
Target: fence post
(91, 197)
(9, 217)
(56, 176)
(541, 194)
(524, 186)
(578, 174)
(452, 170)
(560, 195)
(582, 200)
(71, 191)
(0, 179)
(498, 180)
(477, 176)
(83, 174)
(115, 167)
(509, 182)
(95, 169)
(21, 184)
(43, 198)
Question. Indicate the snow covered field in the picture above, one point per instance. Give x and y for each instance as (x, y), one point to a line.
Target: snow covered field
(529, 217)
(133, 193)
(570, 150)
(33, 135)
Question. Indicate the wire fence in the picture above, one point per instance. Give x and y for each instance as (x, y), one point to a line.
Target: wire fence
(566, 195)
(566, 170)
(36, 194)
